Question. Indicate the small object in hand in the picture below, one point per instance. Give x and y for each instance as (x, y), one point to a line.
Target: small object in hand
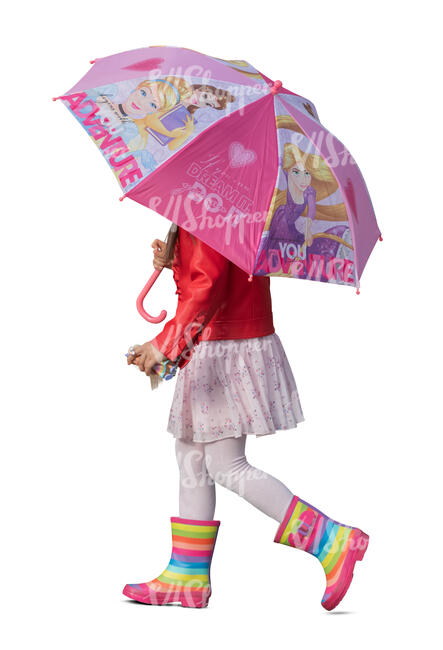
(132, 352)
(163, 370)
(166, 369)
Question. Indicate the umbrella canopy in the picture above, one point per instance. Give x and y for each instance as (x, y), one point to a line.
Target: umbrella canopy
(237, 159)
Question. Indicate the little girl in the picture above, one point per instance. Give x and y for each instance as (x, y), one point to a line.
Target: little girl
(234, 381)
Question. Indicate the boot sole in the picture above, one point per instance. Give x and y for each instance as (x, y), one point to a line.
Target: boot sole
(345, 582)
(185, 600)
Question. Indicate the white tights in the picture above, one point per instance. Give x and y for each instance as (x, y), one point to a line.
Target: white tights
(201, 465)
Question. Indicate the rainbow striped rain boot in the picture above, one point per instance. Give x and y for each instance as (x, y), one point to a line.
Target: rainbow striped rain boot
(186, 578)
(337, 546)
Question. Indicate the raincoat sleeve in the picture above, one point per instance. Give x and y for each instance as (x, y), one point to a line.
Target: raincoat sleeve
(199, 298)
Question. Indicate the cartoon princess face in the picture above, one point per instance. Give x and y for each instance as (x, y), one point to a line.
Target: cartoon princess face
(142, 101)
(299, 178)
(204, 98)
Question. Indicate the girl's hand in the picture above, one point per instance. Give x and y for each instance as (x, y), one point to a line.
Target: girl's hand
(160, 260)
(146, 356)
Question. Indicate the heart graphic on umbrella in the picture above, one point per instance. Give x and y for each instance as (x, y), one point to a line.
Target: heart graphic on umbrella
(145, 66)
(239, 156)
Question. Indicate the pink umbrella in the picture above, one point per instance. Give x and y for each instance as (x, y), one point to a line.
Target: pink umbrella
(237, 159)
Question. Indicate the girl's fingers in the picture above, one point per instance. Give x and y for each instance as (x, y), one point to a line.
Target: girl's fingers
(159, 263)
(144, 360)
(144, 365)
(141, 363)
(158, 245)
(132, 354)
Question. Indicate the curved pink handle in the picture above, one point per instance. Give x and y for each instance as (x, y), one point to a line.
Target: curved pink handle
(142, 296)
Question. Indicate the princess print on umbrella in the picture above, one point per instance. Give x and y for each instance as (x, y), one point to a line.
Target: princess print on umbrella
(297, 240)
(179, 119)
(146, 106)
(157, 116)
(206, 96)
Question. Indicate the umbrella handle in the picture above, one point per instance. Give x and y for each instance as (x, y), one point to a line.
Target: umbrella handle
(142, 296)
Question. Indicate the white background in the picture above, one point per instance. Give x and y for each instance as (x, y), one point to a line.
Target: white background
(87, 468)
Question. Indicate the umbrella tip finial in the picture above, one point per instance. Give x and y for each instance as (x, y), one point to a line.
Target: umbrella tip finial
(358, 292)
(380, 238)
(276, 87)
(122, 197)
(92, 61)
(250, 277)
(54, 99)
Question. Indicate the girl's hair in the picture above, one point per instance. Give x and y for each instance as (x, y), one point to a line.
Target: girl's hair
(222, 96)
(171, 240)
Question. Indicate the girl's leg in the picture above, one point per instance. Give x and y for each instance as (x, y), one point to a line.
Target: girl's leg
(197, 489)
(227, 465)
(337, 546)
(186, 579)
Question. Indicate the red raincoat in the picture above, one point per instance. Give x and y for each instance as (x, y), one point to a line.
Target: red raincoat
(215, 301)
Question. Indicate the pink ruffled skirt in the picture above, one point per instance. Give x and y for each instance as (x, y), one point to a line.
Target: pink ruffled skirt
(235, 387)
